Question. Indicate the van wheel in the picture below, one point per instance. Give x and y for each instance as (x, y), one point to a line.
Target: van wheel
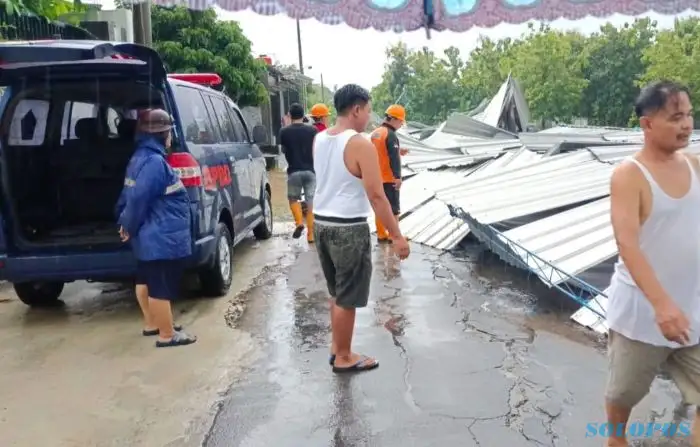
(264, 229)
(216, 279)
(39, 293)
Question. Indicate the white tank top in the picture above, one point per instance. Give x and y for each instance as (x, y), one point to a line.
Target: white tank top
(670, 241)
(338, 193)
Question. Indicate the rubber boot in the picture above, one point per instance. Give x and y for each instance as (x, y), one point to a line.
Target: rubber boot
(382, 234)
(298, 219)
(310, 227)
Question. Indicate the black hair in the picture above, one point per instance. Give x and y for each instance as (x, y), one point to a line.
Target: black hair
(655, 96)
(349, 96)
(296, 111)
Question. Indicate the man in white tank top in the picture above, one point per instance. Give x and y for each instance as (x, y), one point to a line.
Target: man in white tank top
(348, 187)
(654, 295)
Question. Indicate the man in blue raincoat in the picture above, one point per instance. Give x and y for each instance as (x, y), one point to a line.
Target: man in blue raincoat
(154, 214)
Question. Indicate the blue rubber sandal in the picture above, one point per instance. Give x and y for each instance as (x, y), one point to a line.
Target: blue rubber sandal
(152, 332)
(331, 359)
(360, 366)
(179, 339)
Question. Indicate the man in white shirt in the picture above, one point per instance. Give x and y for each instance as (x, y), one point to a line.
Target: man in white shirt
(348, 187)
(654, 295)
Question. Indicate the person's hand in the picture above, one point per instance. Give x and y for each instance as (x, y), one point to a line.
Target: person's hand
(401, 248)
(403, 151)
(123, 235)
(673, 323)
(397, 183)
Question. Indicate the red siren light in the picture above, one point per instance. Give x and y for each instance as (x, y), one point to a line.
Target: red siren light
(209, 79)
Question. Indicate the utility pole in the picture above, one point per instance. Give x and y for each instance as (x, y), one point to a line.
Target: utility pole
(323, 91)
(301, 59)
(143, 33)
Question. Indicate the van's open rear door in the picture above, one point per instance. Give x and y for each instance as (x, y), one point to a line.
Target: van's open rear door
(65, 51)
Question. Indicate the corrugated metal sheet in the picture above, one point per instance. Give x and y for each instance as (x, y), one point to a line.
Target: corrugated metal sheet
(555, 182)
(543, 142)
(432, 225)
(461, 124)
(574, 240)
(424, 219)
(587, 318)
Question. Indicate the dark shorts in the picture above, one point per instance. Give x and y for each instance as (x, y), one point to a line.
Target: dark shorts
(346, 259)
(301, 182)
(163, 277)
(392, 194)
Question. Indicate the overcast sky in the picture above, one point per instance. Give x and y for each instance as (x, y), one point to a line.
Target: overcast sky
(345, 55)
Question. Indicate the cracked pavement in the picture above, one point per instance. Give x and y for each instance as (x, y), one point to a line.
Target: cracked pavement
(466, 358)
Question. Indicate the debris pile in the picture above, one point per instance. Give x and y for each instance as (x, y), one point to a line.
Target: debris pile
(539, 200)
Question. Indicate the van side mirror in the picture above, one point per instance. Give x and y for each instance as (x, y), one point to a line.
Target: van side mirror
(259, 134)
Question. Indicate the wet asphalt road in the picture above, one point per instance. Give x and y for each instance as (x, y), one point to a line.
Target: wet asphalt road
(463, 361)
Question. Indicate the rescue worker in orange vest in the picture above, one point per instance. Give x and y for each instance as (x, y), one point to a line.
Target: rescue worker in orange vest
(386, 142)
(320, 113)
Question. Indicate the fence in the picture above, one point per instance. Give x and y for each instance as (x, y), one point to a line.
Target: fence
(27, 26)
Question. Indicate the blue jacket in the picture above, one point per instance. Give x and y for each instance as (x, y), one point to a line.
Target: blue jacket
(154, 207)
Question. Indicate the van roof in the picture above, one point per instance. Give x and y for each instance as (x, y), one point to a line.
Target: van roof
(48, 51)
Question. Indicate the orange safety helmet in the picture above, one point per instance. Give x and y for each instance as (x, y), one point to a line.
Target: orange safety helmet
(396, 111)
(320, 110)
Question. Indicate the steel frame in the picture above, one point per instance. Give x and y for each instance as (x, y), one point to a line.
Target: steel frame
(573, 287)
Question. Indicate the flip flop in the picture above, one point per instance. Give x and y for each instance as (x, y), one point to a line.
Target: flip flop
(331, 359)
(152, 332)
(179, 339)
(357, 367)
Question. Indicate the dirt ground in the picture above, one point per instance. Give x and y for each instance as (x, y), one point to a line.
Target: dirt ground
(85, 376)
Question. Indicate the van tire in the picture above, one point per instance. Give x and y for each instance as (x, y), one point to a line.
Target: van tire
(39, 293)
(264, 229)
(213, 278)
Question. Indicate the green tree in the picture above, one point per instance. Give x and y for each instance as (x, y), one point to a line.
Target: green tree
(485, 71)
(397, 73)
(195, 41)
(433, 88)
(51, 9)
(615, 62)
(550, 66)
(675, 55)
(426, 85)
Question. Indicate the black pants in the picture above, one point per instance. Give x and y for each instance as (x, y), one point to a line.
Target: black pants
(392, 194)
(163, 277)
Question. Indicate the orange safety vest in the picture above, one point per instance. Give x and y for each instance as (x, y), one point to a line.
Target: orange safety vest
(379, 140)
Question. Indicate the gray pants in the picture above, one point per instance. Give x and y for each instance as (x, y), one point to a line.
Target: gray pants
(301, 181)
(345, 253)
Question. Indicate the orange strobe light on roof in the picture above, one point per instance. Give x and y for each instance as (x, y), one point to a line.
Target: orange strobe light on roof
(209, 79)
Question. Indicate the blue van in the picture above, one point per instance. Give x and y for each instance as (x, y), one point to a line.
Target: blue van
(68, 114)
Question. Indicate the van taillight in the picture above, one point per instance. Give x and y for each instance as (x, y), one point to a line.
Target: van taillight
(185, 165)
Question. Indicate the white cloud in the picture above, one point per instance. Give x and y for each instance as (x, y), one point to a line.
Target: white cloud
(347, 55)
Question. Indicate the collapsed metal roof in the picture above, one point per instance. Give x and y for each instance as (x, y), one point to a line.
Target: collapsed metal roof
(540, 200)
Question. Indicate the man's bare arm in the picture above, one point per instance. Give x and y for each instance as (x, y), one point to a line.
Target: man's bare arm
(366, 156)
(625, 203)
